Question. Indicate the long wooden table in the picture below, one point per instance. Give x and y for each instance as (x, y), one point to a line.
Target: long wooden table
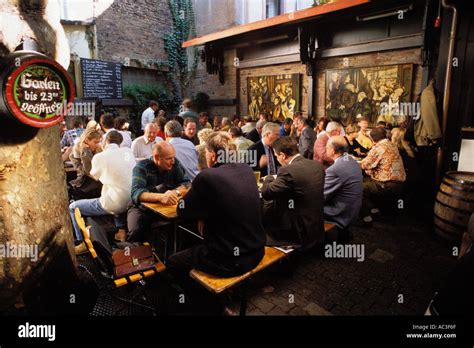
(169, 212)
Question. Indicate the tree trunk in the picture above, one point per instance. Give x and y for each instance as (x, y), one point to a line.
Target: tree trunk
(33, 209)
(33, 194)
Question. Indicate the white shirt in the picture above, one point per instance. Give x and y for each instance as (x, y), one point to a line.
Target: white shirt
(127, 138)
(147, 117)
(114, 168)
(296, 156)
(248, 127)
(142, 148)
(242, 143)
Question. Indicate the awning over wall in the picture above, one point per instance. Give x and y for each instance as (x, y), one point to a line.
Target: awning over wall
(287, 18)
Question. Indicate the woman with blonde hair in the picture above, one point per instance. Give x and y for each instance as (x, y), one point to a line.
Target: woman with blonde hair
(413, 175)
(355, 148)
(203, 135)
(398, 138)
(81, 158)
(93, 124)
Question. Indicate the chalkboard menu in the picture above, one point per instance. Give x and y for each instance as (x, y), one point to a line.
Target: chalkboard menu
(101, 79)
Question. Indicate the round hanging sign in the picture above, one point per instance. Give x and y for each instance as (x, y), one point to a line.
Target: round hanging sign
(37, 90)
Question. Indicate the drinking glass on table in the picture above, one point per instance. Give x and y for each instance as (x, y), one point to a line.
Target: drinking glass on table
(184, 188)
(257, 176)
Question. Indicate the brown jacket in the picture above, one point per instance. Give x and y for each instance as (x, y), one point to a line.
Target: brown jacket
(427, 129)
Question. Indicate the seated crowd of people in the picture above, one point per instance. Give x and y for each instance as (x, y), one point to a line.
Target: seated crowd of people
(309, 175)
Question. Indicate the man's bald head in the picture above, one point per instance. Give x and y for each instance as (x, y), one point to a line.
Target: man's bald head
(162, 148)
(163, 155)
(151, 126)
(337, 146)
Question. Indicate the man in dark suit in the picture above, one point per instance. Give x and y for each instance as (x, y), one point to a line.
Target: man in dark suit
(234, 239)
(261, 153)
(342, 187)
(256, 134)
(306, 139)
(293, 207)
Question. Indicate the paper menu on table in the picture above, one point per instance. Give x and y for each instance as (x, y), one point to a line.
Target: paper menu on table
(466, 156)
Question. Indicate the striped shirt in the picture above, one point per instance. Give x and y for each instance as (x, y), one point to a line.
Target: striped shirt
(70, 136)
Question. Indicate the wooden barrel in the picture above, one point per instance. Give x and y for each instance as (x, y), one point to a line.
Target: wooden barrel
(454, 205)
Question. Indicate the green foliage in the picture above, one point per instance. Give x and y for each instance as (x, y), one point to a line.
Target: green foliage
(201, 102)
(141, 96)
(184, 27)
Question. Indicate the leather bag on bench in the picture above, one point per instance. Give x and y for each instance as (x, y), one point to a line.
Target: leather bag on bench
(132, 260)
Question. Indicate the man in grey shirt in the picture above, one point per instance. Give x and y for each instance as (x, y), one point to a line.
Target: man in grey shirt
(185, 150)
(342, 186)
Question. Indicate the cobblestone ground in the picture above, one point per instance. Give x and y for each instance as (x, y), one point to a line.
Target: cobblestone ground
(404, 265)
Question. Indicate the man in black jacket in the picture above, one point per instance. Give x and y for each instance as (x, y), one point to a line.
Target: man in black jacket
(293, 207)
(256, 134)
(234, 239)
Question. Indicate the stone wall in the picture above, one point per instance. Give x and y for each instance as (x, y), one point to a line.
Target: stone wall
(133, 29)
(214, 15)
(209, 84)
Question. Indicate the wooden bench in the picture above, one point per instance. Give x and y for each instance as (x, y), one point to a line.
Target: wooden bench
(218, 285)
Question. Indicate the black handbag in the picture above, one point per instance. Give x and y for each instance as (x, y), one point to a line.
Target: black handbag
(88, 188)
(90, 185)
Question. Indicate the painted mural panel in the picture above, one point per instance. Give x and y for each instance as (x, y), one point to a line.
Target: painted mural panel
(277, 95)
(371, 92)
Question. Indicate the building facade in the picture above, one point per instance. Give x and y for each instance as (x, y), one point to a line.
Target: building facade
(123, 31)
(352, 57)
(213, 16)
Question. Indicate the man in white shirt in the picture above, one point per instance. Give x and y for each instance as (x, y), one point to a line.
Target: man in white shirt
(238, 139)
(113, 168)
(249, 125)
(107, 124)
(185, 150)
(149, 114)
(142, 147)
